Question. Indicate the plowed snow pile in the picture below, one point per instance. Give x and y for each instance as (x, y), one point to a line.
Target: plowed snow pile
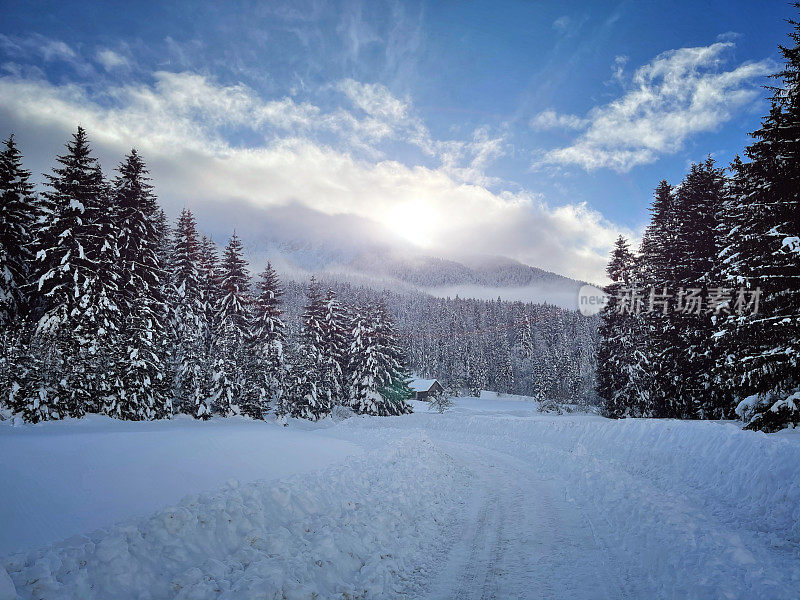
(356, 530)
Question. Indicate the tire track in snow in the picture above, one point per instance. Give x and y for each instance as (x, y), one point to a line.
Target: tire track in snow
(522, 540)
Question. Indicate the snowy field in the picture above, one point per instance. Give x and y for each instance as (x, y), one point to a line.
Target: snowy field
(490, 500)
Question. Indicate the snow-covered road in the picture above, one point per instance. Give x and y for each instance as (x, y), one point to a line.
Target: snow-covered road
(491, 500)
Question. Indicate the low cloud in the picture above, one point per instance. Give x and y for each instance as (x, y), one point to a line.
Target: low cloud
(308, 171)
(111, 60)
(550, 119)
(678, 94)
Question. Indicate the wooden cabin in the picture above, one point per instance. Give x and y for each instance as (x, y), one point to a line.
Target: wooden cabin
(423, 388)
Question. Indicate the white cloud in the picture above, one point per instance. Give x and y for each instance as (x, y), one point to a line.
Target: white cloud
(562, 23)
(111, 60)
(181, 122)
(374, 99)
(678, 94)
(550, 119)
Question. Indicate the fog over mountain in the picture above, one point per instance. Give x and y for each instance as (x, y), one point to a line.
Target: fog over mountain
(363, 259)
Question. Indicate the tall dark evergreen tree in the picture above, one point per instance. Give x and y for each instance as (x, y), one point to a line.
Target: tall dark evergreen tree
(77, 284)
(228, 349)
(141, 301)
(764, 253)
(19, 217)
(265, 364)
(621, 372)
(698, 204)
(187, 324)
(656, 274)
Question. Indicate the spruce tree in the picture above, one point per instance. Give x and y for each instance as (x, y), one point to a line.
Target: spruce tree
(366, 372)
(379, 380)
(335, 347)
(187, 324)
(306, 395)
(394, 391)
(764, 254)
(228, 348)
(656, 272)
(698, 203)
(265, 345)
(77, 283)
(620, 368)
(143, 372)
(210, 297)
(19, 215)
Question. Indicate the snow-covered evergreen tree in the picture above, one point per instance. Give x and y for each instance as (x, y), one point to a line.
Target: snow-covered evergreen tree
(142, 370)
(379, 379)
(19, 217)
(395, 391)
(265, 364)
(186, 321)
(304, 394)
(620, 369)
(228, 348)
(210, 298)
(77, 282)
(335, 347)
(763, 251)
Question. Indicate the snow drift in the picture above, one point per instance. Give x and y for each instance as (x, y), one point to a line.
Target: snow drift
(352, 531)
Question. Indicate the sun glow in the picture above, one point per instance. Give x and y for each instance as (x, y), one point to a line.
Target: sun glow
(415, 222)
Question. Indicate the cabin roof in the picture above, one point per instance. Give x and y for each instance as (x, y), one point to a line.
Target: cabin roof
(418, 384)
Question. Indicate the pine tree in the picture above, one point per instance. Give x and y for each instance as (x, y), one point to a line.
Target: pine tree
(697, 207)
(656, 272)
(764, 253)
(186, 321)
(335, 347)
(365, 369)
(394, 391)
(299, 397)
(305, 397)
(19, 215)
(265, 345)
(77, 283)
(143, 372)
(210, 298)
(379, 379)
(228, 348)
(620, 365)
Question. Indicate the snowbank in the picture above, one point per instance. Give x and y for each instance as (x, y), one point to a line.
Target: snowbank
(362, 529)
(68, 477)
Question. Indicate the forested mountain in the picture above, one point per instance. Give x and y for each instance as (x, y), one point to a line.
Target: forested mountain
(380, 266)
(431, 272)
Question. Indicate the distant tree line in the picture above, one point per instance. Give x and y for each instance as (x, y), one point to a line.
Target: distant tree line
(106, 309)
(721, 241)
(537, 350)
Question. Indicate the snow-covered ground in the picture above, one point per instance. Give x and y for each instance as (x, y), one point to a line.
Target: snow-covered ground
(489, 500)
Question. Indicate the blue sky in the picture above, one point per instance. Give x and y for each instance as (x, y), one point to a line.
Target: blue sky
(535, 130)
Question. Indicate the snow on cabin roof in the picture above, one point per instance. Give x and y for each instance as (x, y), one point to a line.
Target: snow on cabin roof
(421, 385)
